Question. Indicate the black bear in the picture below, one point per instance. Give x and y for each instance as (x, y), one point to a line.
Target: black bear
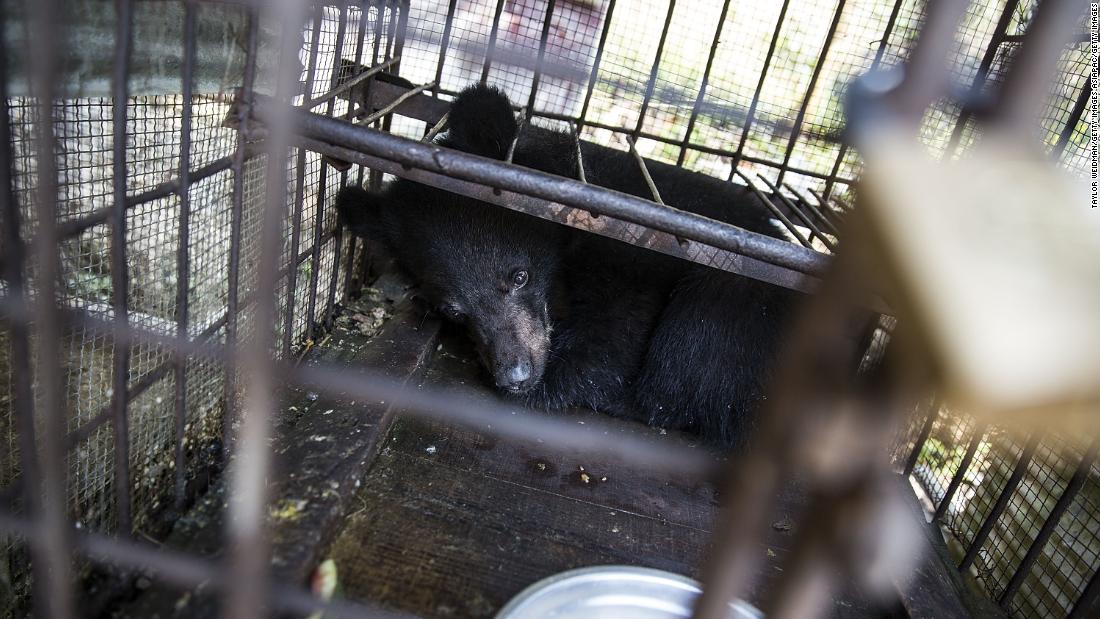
(565, 318)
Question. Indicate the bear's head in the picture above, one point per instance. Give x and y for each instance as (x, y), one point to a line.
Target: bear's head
(482, 266)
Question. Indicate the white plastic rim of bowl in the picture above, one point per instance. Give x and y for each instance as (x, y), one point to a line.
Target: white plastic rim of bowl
(613, 592)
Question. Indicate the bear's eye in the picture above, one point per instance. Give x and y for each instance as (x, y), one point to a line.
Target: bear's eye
(451, 312)
(519, 278)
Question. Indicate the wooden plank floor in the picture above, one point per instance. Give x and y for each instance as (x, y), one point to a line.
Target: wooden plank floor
(453, 523)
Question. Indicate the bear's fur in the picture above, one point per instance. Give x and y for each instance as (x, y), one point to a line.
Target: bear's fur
(590, 322)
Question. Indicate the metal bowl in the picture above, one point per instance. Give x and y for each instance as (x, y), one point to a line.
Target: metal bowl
(613, 592)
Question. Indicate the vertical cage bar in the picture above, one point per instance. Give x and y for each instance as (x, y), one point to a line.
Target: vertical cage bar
(338, 239)
(1074, 117)
(703, 86)
(354, 240)
(922, 438)
(491, 49)
(249, 545)
(887, 32)
(233, 277)
(541, 57)
(51, 543)
(183, 254)
(964, 466)
(120, 281)
(1080, 476)
(319, 205)
(651, 84)
(596, 66)
(751, 115)
(1013, 482)
(50, 588)
(1089, 600)
(983, 70)
(380, 13)
(796, 130)
(444, 43)
(299, 192)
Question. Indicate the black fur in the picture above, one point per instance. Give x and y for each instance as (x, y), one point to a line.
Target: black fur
(631, 332)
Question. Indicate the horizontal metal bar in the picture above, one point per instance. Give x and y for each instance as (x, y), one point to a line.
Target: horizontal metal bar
(187, 571)
(147, 380)
(450, 406)
(351, 83)
(566, 215)
(413, 154)
(72, 227)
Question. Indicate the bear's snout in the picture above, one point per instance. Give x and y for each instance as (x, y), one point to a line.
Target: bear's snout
(514, 377)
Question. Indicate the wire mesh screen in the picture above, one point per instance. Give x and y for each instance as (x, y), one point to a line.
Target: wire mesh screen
(314, 261)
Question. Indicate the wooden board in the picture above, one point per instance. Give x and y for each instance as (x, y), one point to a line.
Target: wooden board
(452, 523)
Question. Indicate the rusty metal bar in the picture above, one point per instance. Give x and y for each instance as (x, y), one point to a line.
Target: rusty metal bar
(541, 55)
(1002, 501)
(800, 118)
(645, 172)
(1076, 482)
(703, 85)
(551, 210)
(759, 89)
(960, 473)
(580, 158)
(436, 129)
(465, 166)
(491, 49)
(651, 83)
(120, 280)
(183, 252)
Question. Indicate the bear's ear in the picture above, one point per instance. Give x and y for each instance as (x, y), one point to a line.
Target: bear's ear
(362, 213)
(481, 122)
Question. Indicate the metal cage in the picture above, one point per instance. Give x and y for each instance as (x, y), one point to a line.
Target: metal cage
(169, 253)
